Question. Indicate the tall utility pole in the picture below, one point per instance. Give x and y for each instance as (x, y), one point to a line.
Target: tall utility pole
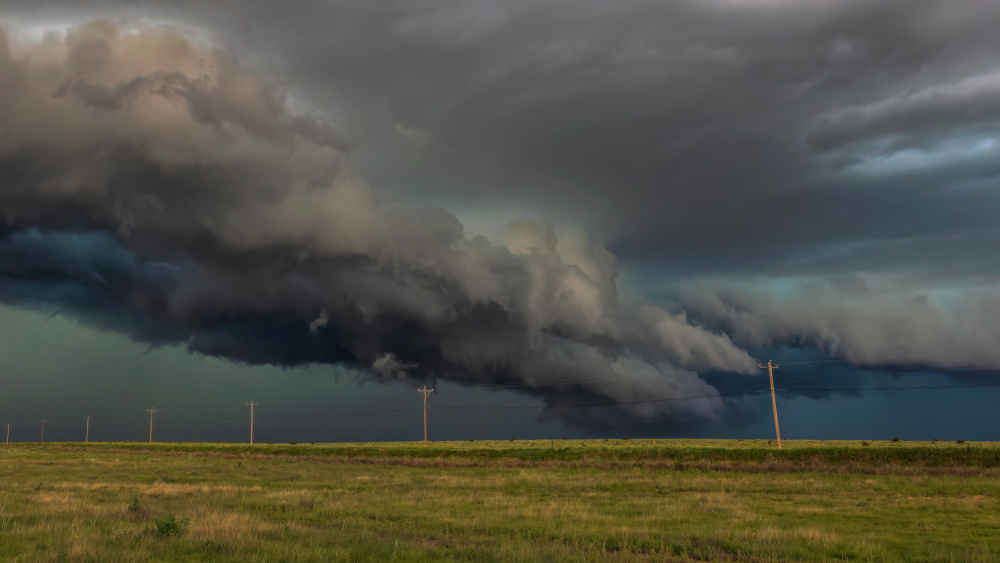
(42, 437)
(774, 404)
(151, 410)
(251, 404)
(86, 436)
(426, 392)
(8, 433)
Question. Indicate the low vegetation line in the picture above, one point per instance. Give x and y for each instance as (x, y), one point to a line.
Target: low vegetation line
(964, 462)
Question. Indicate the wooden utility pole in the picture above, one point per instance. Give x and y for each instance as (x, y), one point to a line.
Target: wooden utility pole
(774, 404)
(42, 437)
(86, 435)
(151, 410)
(8, 433)
(426, 392)
(251, 404)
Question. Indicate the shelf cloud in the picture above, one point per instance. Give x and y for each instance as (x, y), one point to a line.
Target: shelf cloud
(511, 193)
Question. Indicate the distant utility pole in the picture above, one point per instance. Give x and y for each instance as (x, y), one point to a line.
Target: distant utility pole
(86, 436)
(774, 404)
(251, 404)
(42, 437)
(151, 410)
(8, 433)
(426, 392)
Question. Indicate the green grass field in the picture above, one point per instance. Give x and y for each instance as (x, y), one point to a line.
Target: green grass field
(561, 500)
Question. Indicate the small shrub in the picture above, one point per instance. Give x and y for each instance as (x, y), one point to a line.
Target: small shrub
(134, 505)
(626, 438)
(959, 441)
(169, 526)
(293, 443)
(511, 439)
(895, 439)
(863, 443)
(935, 440)
(312, 443)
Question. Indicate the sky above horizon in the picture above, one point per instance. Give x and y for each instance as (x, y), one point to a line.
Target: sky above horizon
(570, 221)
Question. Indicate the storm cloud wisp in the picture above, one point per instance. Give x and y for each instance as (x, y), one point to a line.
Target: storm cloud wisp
(150, 185)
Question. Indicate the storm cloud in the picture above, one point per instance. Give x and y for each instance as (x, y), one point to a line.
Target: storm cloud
(348, 182)
(152, 186)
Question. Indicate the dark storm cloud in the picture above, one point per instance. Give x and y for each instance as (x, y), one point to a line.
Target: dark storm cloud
(712, 136)
(784, 143)
(697, 117)
(675, 128)
(152, 186)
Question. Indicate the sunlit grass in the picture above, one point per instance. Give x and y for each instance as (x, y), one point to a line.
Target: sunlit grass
(317, 502)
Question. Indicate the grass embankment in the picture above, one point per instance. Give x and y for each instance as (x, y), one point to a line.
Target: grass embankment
(563, 500)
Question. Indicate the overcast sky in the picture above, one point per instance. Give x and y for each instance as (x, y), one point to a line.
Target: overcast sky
(322, 206)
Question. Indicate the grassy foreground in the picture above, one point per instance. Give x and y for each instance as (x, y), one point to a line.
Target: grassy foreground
(545, 500)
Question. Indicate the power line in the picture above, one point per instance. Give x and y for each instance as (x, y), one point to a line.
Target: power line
(613, 403)
(549, 384)
(792, 359)
(808, 362)
(916, 387)
(120, 424)
(735, 393)
(335, 415)
(744, 379)
(860, 372)
(204, 420)
(738, 380)
(517, 385)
